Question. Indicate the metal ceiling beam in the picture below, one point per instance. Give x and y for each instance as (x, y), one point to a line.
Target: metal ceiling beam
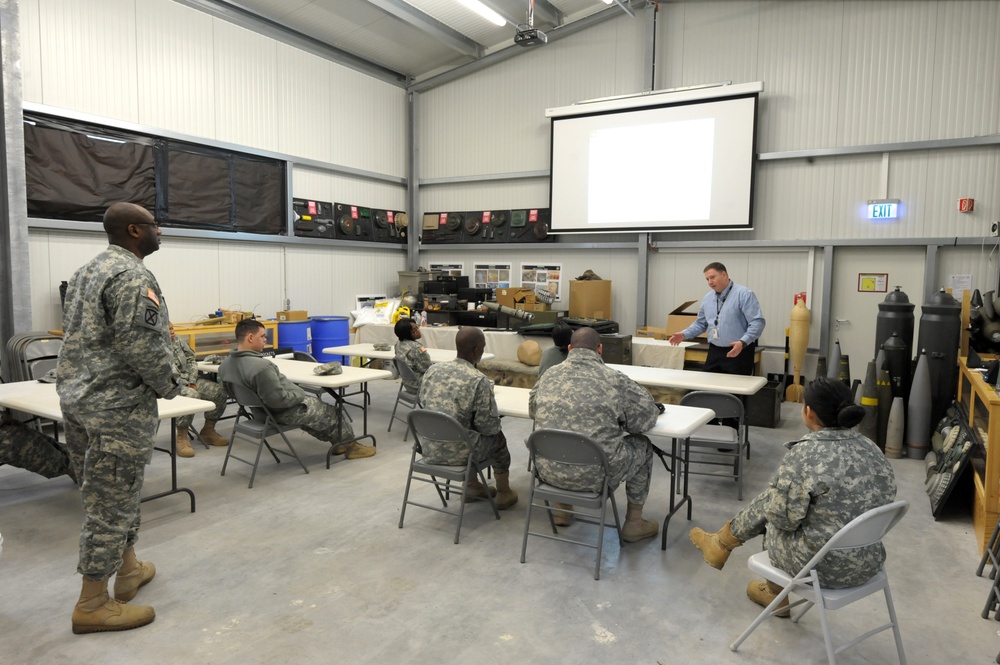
(555, 34)
(545, 11)
(243, 17)
(430, 25)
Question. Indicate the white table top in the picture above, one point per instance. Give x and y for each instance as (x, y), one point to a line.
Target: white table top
(689, 380)
(676, 421)
(650, 341)
(368, 351)
(41, 399)
(301, 372)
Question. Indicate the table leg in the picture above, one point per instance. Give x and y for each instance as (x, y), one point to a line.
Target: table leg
(686, 497)
(174, 489)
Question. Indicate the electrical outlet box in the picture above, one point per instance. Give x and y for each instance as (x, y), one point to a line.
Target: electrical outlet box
(995, 229)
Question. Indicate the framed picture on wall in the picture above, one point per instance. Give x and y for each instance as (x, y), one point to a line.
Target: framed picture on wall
(491, 275)
(543, 277)
(449, 269)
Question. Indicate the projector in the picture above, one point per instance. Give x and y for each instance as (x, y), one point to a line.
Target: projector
(530, 37)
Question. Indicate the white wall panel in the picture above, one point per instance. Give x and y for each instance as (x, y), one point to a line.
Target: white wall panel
(708, 42)
(490, 195)
(304, 94)
(55, 256)
(367, 121)
(246, 87)
(494, 121)
(325, 280)
(983, 263)
(31, 52)
(325, 186)
(190, 273)
(175, 69)
(89, 56)
(966, 53)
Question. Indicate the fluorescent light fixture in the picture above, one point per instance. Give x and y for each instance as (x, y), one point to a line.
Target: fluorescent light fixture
(485, 12)
(608, 2)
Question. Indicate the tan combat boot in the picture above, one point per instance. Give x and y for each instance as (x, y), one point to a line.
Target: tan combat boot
(636, 528)
(356, 451)
(561, 517)
(763, 593)
(96, 612)
(715, 547)
(475, 490)
(506, 497)
(184, 448)
(210, 436)
(132, 575)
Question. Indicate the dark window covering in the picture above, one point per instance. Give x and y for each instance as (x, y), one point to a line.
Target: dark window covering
(72, 175)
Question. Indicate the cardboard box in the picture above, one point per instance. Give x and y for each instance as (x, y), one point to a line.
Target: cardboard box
(590, 299)
(293, 315)
(533, 306)
(651, 333)
(512, 296)
(680, 318)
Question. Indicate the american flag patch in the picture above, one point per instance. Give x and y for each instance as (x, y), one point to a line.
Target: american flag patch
(151, 294)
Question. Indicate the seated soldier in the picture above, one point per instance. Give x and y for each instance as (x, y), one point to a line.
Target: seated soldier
(199, 388)
(289, 404)
(29, 449)
(582, 395)
(460, 390)
(411, 352)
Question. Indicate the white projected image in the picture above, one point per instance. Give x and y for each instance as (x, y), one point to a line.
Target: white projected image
(668, 179)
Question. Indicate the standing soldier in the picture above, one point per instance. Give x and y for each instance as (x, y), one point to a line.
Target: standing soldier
(198, 388)
(115, 362)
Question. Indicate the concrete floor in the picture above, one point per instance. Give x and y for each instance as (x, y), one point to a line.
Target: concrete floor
(313, 569)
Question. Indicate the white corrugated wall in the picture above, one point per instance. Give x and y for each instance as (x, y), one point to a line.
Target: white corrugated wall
(173, 68)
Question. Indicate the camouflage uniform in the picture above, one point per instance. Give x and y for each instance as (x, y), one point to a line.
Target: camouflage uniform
(825, 480)
(115, 362)
(583, 395)
(416, 358)
(185, 365)
(460, 390)
(29, 449)
(289, 404)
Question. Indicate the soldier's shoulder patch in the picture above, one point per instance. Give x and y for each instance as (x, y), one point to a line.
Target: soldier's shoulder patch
(151, 294)
(151, 317)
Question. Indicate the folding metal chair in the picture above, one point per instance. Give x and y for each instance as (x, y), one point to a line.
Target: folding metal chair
(254, 423)
(430, 428)
(718, 445)
(866, 529)
(410, 400)
(571, 449)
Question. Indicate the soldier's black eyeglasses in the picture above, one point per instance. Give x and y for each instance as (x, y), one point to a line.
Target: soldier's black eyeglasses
(156, 224)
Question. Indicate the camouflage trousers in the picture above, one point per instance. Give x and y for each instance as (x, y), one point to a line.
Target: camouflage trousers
(791, 550)
(109, 451)
(209, 390)
(456, 453)
(632, 463)
(318, 418)
(29, 449)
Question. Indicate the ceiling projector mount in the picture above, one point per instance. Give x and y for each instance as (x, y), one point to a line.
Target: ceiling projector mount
(526, 33)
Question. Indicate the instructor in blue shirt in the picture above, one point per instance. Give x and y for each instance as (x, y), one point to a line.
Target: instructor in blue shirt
(731, 315)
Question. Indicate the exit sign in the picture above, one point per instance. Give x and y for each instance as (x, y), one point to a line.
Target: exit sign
(888, 209)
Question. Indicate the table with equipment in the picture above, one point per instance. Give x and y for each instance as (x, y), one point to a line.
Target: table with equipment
(676, 423)
(368, 351)
(41, 399)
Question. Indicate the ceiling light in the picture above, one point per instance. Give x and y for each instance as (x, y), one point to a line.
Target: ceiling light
(485, 12)
(608, 2)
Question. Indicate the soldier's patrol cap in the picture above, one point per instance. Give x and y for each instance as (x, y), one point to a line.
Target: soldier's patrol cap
(329, 368)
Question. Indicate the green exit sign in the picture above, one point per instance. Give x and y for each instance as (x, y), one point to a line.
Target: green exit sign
(884, 209)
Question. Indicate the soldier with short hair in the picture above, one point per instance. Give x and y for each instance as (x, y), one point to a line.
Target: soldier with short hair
(581, 394)
(458, 389)
(198, 388)
(411, 352)
(289, 404)
(114, 363)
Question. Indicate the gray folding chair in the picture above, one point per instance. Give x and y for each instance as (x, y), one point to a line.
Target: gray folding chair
(570, 449)
(254, 423)
(718, 445)
(430, 428)
(410, 400)
(866, 529)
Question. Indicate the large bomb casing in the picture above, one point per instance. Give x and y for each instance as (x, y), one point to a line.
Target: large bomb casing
(869, 402)
(897, 357)
(833, 365)
(895, 315)
(894, 429)
(940, 335)
(918, 412)
(884, 391)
